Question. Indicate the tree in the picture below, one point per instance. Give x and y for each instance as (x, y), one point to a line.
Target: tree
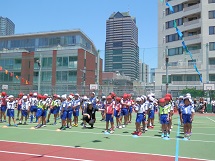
(194, 93)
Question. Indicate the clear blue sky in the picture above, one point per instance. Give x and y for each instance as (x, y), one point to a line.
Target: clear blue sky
(88, 15)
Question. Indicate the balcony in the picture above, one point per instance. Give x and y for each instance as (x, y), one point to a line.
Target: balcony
(184, 65)
(186, 83)
(192, 37)
(196, 6)
(212, 67)
(191, 22)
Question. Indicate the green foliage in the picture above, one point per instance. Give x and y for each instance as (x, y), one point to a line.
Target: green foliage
(194, 93)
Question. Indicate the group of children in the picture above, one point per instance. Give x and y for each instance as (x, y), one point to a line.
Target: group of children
(39, 106)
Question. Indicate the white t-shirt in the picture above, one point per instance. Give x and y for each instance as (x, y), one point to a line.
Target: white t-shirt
(25, 105)
(11, 105)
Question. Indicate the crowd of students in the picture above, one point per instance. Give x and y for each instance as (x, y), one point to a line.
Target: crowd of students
(38, 108)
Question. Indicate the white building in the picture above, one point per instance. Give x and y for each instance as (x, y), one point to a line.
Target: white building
(196, 20)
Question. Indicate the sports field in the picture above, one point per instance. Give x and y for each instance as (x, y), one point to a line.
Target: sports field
(47, 143)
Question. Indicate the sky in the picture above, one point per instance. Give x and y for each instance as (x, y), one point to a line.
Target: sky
(89, 16)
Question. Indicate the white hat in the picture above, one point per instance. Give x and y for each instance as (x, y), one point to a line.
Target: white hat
(45, 94)
(35, 94)
(24, 97)
(93, 93)
(85, 98)
(77, 94)
(103, 97)
(11, 96)
(151, 98)
(138, 99)
(182, 97)
(58, 96)
(188, 98)
(63, 96)
(70, 96)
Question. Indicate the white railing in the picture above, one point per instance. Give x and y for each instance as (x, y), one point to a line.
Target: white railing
(191, 7)
(192, 37)
(191, 22)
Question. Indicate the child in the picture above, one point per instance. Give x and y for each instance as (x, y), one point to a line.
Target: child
(25, 107)
(124, 109)
(109, 110)
(118, 107)
(19, 105)
(164, 117)
(69, 111)
(139, 109)
(11, 104)
(187, 116)
(63, 109)
(76, 107)
(130, 108)
(3, 107)
(53, 109)
(151, 112)
(33, 108)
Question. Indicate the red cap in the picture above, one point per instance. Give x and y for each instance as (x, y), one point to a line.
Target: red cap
(167, 98)
(3, 93)
(109, 97)
(113, 94)
(168, 95)
(118, 98)
(30, 94)
(21, 94)
(162, 100)
(55, 95)
(125, 96)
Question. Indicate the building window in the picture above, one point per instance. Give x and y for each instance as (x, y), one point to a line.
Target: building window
(212, 46)
(192, 78)
(170, 24)
(73, 61)
(211, 77)
(117, 59)
(175, 51)
(117, 44)
(66, 76)
(211, 1)
(211, 30)
(171, 38)
(176, 77)
(164, 79)
(62, 61)
(212, 61)
(46, 76)
(47, 62)
(117, 66)
(176, 8)
(117, 51)
(212, 14)
(191, 62)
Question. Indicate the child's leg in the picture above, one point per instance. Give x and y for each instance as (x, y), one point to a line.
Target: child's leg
(9, 120)
(107, 125)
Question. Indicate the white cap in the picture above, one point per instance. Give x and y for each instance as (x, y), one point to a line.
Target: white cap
(93, 93)
(152, 95)
(45, 94)
(58, 96)
(11, 96)
(85, 98)
(70, 96)
(182, 97)
(24, 97)
(187, 98)
(151, 98)
(35, 94)
(76, 94)
(138, 99)
(103, 97)
(63, 96)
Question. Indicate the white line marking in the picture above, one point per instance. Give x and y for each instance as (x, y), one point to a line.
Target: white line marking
(103, 150)
(124, 135)
(41, 155)
(210, 119)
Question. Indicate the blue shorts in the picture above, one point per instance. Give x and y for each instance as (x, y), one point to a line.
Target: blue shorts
(130, 109)
(163, 119)
(109, 118)
(54, 110)
(19, 107)
(69, 114)
(117, 114)
(58, 109)
(151, 114)
(33, 109)
(76, 113)
(140, 117)
(186, 118)
(64, 115)
(41, 112)
(24, 113)
(10, 113)
(124, 111)
(3, 108)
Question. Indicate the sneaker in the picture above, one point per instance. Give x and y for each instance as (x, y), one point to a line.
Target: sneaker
(105, 131)
(135, 133)
(123, 126)
(43, 125)
(8, 125)
(167, 135)
(162, 135)
(70, 127)
(139, 133)
(47, 121)
(76, 125)
(25, 123)
(15, 125)
(38, 126)
(146, 129)
(4, 121)
(61, 128)
(111, 132)
(17, 119)
(84, 127)
(73, 125)
(54, 123)
(120, 127)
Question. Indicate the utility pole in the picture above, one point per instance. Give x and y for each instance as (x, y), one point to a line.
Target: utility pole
(167, 74)
(207, 70)
(98, 66)
(39, 63)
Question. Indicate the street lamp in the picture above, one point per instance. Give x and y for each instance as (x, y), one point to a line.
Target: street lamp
(40, 68)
